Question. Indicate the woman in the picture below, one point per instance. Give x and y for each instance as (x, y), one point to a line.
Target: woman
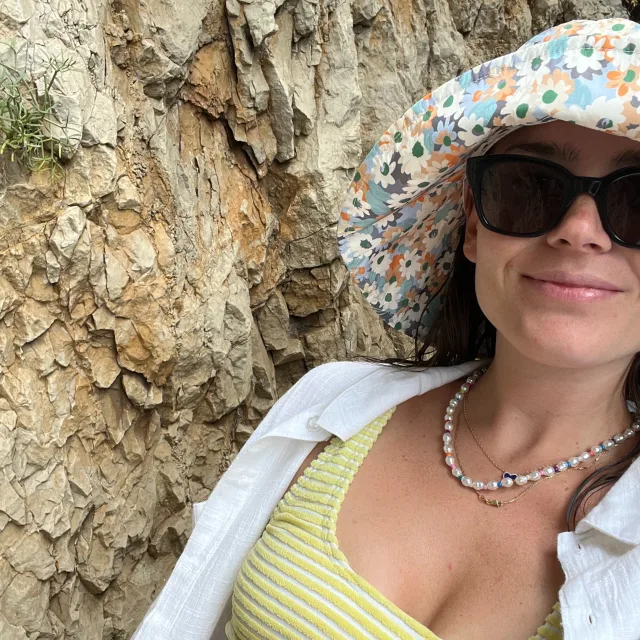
(516, 185)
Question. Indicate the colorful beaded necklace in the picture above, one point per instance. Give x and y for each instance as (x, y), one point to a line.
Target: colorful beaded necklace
(508, 479)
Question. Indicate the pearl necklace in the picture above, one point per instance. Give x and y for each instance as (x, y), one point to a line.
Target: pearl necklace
(536, 474)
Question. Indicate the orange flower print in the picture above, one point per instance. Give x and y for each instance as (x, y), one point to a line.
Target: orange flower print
(501, 85)
(453, 155)
(625, 82)
(395, 265)
(568, 29)
(457, 175)
(438, 163)
(430, 113)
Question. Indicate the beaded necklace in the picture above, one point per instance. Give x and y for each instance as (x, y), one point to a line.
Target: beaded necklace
(508, 479)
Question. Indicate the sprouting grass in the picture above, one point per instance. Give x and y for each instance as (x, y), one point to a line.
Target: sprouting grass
(27, 112)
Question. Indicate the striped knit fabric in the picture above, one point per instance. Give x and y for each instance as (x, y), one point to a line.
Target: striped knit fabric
(296, 583)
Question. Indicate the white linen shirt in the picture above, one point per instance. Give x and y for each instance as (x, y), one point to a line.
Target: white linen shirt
(600, 599)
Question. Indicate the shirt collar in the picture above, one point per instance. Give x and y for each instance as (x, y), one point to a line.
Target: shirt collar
(618, 513)
(365, 399)
(340, 398)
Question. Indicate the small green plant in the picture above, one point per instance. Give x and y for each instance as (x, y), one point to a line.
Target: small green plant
(27, 114)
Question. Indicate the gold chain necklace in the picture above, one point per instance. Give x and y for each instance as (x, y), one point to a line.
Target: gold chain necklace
(493, 462)
(481, 497)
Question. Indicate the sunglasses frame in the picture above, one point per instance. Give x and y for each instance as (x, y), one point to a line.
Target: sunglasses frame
(597, 188)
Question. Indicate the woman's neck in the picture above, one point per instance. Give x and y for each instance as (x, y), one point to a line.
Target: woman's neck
(528, 412)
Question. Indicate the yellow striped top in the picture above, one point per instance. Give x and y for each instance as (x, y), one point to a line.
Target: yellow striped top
(296, 583)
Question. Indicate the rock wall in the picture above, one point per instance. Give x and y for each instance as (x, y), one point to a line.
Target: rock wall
(157, 301)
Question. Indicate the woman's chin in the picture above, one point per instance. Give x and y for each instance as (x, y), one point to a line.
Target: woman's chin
(565, 344)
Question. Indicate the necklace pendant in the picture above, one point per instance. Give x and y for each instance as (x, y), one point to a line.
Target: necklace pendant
(506, 474)
(491, 503)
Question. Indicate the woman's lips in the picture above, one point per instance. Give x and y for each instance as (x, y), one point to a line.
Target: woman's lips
(568, 292)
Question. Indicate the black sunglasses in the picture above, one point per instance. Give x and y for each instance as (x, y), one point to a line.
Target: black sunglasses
(522, 196)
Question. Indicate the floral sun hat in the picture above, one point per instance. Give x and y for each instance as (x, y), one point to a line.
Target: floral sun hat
(402, 217)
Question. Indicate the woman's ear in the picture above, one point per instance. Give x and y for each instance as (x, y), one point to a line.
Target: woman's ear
(470, 247)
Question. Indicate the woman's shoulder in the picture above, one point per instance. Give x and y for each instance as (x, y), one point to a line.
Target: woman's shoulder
(329, 381)
(401, 418)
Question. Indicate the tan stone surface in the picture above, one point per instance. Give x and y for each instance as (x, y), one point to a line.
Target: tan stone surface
(184, 274)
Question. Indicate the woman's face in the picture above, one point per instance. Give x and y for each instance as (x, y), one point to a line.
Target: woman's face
(546, 328)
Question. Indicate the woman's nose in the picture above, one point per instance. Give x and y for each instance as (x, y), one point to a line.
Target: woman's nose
(581, 227)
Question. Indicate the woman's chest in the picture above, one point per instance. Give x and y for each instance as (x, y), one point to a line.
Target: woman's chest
(459, 567)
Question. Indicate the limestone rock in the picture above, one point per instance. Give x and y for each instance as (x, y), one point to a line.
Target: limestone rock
(292, 351)
(9, 298)
(304, 99)
(178, 30)
(261, 19)
(17, 11)
(103, 169)
(545, 13)
(253, 90)
(309, 291)
(70, 92)
(383, 46)
(313, 250)
(24, 602)
(264, 392)
(66, 234)
(141, 393)
(119, 414)
(158, 72)
(142, 256)
(47, 496)
(261, 142)
(276, 65)
(595, 9)
(212, 79)
(364, 11)
(31, 320)
(117, 277)
(11, 503)
(127, 196)
(97, 570)
(77, 188)
(104, 365)
(11, 632)
(31, 552)
(305, 15)
(51, 350)
(273, 321)
(322, 343)
(101, 126)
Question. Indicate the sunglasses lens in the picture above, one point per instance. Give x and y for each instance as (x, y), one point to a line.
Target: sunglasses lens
(521, 197)
(623, 208)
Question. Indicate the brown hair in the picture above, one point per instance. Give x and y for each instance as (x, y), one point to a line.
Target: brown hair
(461, 332)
